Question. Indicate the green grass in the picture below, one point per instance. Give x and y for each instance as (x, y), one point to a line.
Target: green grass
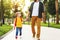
(53, 25)
(43, 24)
(4, 29)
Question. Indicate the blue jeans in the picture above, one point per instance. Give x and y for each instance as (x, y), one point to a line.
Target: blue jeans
(18, 29)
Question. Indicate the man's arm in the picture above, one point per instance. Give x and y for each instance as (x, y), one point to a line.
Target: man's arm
(27, 16)
(29, 10)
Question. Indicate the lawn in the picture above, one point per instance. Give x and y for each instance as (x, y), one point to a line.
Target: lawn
(53, 25)
(4, 29)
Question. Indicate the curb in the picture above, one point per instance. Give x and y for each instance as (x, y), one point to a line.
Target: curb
(5, 34)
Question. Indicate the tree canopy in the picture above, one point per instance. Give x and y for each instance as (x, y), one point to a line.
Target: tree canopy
(51, 7)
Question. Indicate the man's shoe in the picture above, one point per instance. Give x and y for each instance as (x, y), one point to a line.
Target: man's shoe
(33, 35)
(38, 38)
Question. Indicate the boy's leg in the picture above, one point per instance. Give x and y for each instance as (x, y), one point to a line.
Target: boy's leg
(20, 31)
(16, 31)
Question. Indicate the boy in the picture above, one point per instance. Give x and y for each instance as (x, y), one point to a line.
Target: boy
(18, 24)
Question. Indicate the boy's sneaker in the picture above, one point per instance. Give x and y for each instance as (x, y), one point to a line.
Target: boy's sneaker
(16, 37)
(20, 36)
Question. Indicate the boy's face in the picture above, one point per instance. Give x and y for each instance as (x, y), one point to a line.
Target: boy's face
(19, 15)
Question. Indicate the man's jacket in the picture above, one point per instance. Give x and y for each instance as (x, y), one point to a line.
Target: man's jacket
(41, 9)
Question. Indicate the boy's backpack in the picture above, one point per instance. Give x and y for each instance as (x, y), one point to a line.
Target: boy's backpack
(16, 20)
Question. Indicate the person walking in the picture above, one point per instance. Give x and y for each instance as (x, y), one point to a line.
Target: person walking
(18, 24)
(35, 11)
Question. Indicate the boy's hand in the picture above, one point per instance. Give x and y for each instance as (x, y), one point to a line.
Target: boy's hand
(14, 27)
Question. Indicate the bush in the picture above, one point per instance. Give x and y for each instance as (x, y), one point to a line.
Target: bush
(4, 29)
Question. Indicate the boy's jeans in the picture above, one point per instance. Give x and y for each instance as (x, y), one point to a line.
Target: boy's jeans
(20, 30)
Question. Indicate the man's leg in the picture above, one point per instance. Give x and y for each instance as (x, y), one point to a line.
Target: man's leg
(38, 27)
(32, 25)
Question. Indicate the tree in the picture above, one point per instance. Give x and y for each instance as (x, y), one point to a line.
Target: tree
(57, 15)
(31, 0)
(45, 11)
(7, 8)
(51, 8)
(2, 11)
(59, 8)
(0, 15)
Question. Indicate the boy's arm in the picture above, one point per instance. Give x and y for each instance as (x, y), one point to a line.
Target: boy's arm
(14, 23)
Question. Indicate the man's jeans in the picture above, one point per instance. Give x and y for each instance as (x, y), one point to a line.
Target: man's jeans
(18, 30)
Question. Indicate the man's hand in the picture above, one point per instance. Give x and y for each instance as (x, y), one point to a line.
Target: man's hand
(27, 16)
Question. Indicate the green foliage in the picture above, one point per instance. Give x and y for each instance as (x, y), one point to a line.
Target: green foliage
(4, 29)
(7, 7)
(51, 7)
(31, 0)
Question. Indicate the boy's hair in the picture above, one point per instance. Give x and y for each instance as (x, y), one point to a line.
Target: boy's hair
(19, 13)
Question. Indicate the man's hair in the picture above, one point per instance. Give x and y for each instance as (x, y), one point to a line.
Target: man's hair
(35, 0)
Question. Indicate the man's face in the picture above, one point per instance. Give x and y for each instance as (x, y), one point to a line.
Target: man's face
(35, 0)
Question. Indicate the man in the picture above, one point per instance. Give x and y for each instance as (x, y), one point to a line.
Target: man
(36, 9)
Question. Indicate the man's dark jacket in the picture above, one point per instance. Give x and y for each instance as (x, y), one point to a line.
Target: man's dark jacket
(41, 9)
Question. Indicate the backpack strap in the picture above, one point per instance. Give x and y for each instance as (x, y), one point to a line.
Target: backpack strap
(15, 21)
(21, 18)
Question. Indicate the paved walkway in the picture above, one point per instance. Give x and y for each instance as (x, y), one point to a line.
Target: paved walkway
(46, 34)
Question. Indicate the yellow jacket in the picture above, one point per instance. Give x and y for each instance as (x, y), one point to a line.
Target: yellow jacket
(18, 22)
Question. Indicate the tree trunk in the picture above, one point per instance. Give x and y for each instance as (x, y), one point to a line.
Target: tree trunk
(54, 19)
(44, 16)
(2, 12)
(57, 15)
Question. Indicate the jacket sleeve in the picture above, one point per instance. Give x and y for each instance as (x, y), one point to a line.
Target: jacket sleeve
(30, 8)
(42, 7)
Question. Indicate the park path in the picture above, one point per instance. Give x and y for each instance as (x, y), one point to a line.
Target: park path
(46, 34)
